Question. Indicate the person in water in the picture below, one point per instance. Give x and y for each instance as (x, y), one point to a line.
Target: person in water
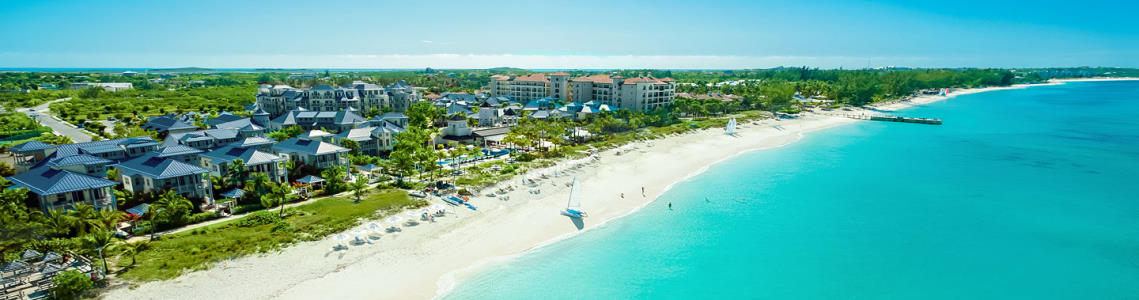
(670, 205)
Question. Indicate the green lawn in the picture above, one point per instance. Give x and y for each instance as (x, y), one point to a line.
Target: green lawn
(197, 249)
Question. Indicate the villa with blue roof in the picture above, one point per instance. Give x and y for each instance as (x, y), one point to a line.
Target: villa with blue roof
(314, 153)
(220, 160)
(336, 121)
(151, 173)
(57, 187)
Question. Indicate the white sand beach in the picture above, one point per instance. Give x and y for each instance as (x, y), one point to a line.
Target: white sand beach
(425, 261)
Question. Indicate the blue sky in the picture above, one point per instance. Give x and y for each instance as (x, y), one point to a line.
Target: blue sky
(568, 34)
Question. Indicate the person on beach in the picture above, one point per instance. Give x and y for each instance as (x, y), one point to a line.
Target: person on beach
(622, 195)
(642, 190)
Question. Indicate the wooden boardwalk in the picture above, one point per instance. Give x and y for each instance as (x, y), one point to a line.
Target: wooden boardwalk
(888, 118)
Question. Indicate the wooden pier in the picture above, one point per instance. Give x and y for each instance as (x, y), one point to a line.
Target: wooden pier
(887, 118)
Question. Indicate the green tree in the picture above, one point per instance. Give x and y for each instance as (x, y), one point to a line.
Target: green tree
(358, 186)
(236, 171)
(172, 209)
(257, 184)
(99, 240)
(279, 193)
(85, 217)
(133, 249)
(421, 114)
(70, 284)
(333, 179)
(353, 146)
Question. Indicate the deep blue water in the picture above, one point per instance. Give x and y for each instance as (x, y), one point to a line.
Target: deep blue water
(1022, 194)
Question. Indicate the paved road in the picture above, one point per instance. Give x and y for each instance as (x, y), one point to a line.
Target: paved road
(41, 114)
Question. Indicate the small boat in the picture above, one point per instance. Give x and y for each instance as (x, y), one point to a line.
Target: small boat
(731, 128)
(573, 206)
(416, 194)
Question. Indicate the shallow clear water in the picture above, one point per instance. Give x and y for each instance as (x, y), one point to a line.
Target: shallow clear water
(1024, 194)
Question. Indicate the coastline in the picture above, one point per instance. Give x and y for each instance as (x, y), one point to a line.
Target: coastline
(426, 261)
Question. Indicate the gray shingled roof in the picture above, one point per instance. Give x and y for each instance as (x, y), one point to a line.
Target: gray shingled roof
(47, 181)
(31, 146)
(223, 118)
(102, 146)
(175, 150)
(82, 159)
(166, 123)
(155, 167)
(295, 145)
(251, 157)
(254, 141)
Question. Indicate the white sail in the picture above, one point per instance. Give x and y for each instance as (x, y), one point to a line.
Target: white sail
(731, 128)
(573, 201)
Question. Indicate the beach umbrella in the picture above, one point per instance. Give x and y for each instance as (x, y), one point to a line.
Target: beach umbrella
(51, 268)
(30, 254)
(340, 237)
(394, 219)
(373, 226)
(359, 232)
(16, 265)
(52, 256)
(413, 214)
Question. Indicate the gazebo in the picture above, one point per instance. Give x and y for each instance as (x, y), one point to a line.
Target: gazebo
(311, 180)
(234, 194)
(369, 168)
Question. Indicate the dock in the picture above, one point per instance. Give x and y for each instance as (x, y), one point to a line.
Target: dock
(887, 118)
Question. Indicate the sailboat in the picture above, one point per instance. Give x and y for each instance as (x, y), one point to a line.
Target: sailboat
(731, 128)
(573, 206)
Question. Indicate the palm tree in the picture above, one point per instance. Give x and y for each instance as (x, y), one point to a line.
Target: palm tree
(99, 240)
(290, 165)
(358, 186)
(334, 179)
(107, 218)
(236, 171)
(85, 216)
(280, 193)
(59, 222)
(256, 183)
(133, 249)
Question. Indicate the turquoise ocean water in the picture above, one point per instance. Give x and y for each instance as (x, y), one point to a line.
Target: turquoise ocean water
(1022, 194)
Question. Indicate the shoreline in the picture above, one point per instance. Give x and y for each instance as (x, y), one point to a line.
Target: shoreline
(429, 260)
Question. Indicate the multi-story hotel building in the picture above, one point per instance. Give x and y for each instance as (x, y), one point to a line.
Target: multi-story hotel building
(277, 100)
(638, 93)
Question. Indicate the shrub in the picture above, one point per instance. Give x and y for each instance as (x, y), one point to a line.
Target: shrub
(201, 217)
(70, 284)
(259, 218)
(283, 226)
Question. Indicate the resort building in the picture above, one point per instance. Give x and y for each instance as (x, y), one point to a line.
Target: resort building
(277, 100)
(168, 124)
(57, 188)
(220, 160)
(372, 140)
(318, 154)
(106, 86)
(336, 121)
(151, 173)
(205, 139)
(180, 153)
(637, 93)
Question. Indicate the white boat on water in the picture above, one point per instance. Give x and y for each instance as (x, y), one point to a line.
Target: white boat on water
(573, 206)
